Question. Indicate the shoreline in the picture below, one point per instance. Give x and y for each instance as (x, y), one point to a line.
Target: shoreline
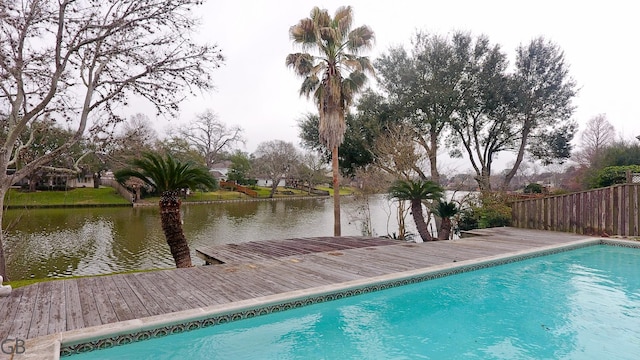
(145, 204)
(141, 204)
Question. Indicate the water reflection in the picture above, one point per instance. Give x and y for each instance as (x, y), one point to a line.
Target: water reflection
(78, 241)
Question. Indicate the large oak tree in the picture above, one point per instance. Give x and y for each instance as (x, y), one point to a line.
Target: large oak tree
(211, 137)
(275, 160)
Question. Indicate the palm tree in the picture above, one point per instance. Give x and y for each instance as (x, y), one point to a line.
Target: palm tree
(325, 75)
(416, 192)
(445, 210)
(168, 176)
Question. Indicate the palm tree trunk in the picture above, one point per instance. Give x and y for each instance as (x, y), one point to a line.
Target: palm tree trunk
(445, 229)
(172, 227)
(418, 218)
(336, 191)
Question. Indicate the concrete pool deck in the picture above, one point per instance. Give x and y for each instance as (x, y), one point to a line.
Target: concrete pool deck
(77, 311)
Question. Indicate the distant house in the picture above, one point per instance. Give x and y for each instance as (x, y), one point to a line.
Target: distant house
(220, 170)
(267, 182)
(48, 179)
(218, 175)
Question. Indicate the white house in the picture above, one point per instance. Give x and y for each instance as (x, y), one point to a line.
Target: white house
(220, 170)
(268, 182)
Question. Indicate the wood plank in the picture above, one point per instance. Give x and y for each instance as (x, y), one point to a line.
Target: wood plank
(149, 300)
(216, 285)
(40, 317)
(73, 306)
(210, 293)
(134, 304)
(8, 311)
(104, 307)
(153, 282)
(271, 249)
(57, 308)
(90, 316)
(22, 321)
(118, 303)
(187, 288)
(265, 277)
(232, 291)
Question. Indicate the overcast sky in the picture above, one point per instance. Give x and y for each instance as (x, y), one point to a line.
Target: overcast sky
(258, 92)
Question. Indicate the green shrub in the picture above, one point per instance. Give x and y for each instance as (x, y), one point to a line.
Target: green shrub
(494, 211)
(533, 188)
(467, 220)
(612, 175)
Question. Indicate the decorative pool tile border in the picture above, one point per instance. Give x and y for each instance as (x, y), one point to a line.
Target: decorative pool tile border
(67, 350)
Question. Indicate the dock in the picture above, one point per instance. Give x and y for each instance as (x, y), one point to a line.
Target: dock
(273, 249)
(245, 271)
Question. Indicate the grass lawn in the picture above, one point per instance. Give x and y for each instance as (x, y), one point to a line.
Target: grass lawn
(204, 196)
(79, 196)
(108, 196)
(263, 192)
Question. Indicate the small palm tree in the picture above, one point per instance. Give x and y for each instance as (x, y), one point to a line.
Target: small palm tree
(416, 192)
(325, 75)
(445, 210)
(168, 176)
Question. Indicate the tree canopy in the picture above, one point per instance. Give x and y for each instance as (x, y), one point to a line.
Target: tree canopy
(459, 92)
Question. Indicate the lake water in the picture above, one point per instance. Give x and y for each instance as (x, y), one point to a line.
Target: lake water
(88, 241)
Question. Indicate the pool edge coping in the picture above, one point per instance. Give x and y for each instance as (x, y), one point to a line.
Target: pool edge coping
(50, 346)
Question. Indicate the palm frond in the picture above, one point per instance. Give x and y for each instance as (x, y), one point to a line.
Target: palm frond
(360, 38)
(167, 174)
(415, 190)
(330, 35)
(320, 17)
(303, 33)
(342, 20)
(309, 85)
(446, 209)
(302, 63)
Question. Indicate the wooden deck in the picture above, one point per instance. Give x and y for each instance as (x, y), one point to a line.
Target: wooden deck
(273, 249)
(56, 306)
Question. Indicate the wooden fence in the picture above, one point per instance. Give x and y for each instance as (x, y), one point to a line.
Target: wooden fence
(607, 211)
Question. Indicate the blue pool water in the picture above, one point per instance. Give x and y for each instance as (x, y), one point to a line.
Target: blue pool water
(580, 304)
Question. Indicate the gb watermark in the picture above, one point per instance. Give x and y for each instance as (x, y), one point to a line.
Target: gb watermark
(11, 346)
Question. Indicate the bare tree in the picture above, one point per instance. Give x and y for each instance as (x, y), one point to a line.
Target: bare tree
(312, 169)
(372, 181)
(210, 136)
(598, 134)
(398, 155)
(140, 129)
(274, 160)
(82, 61)
(135, 137)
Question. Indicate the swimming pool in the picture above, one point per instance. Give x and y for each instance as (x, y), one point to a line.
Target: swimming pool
(583, 303)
